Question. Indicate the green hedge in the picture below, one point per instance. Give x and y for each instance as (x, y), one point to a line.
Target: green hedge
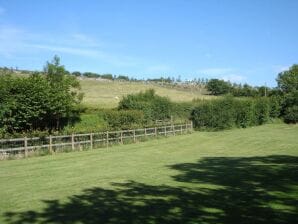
(124, 119)
(153, 106)
(230, 112)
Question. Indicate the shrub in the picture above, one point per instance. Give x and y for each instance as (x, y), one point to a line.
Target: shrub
(291, 114)
(218, 87)
(214, 114)
(124, 119)
(244, 113)
(182, 110)
(262, 111)
(225, 113)
(153, 106)
(275, 106)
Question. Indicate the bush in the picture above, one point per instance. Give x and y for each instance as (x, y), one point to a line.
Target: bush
(214, 114)
(124, 119)
(291, 114)
(262, 111)
(153, 106)
(182, 110)
(228, 112)
(275, 106)
(244, 113)
(42, 101)
(218, 87)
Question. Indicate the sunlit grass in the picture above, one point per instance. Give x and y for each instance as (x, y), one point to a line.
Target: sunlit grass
(211, 177)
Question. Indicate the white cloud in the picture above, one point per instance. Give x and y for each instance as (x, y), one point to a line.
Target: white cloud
(68, 50)
(11, 40)
(15, 42)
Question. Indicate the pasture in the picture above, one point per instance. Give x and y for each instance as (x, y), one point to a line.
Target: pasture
(235, 176)
(106, 94)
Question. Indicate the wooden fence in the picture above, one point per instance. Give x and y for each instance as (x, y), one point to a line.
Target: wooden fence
(23, 147)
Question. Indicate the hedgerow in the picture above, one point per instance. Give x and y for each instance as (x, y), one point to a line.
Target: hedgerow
(230, 112)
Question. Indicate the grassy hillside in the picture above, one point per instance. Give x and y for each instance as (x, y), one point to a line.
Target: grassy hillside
(235, 176)
(106, 94)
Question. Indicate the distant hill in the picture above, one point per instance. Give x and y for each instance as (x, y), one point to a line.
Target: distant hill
(105, 93)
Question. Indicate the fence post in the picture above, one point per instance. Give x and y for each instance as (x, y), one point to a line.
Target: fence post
(50, 144)
(145, 131)
(107, 140)
(181, 130)
(191, 126)
(134, 135)
(165, 130)
(26, 146)
(155, 131)
(173, 129)
(91, 141)
(72, 142)
(121, 137)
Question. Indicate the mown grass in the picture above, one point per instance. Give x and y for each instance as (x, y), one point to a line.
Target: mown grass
(106, 94)
(234, 176)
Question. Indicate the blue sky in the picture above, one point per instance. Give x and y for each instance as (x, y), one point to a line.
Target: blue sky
(242, 41)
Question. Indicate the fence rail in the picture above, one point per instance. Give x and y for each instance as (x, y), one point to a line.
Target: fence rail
(23, 147)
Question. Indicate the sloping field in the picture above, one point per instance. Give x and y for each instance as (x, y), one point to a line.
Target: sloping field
(106, 94)
(235, 176)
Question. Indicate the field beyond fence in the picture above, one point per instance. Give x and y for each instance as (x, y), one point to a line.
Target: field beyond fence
(24, 147)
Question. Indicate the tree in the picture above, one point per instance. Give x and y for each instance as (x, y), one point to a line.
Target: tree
(154, 107)
(64, 96)
(218, 87)
(76, 73)
(288, 80)
(288, 85)
(38, 102)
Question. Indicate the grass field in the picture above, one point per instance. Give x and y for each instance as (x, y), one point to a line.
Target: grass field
(238, 176)
(107, 94)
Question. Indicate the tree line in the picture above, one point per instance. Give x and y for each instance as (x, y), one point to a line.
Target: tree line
(286, 92)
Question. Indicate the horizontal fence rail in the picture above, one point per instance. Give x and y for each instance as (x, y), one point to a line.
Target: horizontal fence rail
(23, 147)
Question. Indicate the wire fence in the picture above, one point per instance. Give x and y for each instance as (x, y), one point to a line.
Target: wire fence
(24, 147)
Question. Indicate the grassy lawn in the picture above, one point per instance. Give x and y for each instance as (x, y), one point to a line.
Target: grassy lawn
(236, 176)
(107, 94)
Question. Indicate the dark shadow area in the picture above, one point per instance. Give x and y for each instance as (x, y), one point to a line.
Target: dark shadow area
(229, 190)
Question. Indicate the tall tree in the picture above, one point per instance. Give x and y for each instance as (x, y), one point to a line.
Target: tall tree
(288, 84)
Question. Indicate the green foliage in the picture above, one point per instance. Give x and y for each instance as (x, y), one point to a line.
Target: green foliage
(214, 114)
(89, 122)
(39, 102)
(153, 106)
(288, 85)
(291, 114)
(76, 73)
(244, 112)
(218, 87)
(275, 106)
(182, 110)
(124, 119)
(228, 112)
(288, 80)
(262, 111)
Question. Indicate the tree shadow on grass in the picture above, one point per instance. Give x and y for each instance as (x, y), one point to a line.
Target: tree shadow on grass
(221, 190)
